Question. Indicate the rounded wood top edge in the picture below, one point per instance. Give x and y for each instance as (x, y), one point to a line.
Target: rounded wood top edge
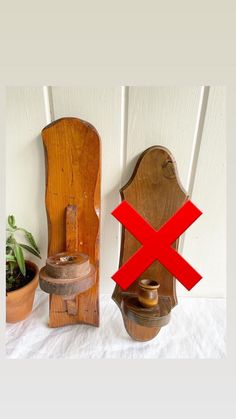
(140, 158)
(70, 119)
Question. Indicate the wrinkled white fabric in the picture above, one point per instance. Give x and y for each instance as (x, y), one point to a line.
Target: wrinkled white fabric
(196, 330)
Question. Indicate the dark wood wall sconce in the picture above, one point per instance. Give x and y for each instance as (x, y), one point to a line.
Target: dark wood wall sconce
(154, 190)
(71, 273)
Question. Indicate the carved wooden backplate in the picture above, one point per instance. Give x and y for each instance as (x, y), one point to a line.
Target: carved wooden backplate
(154, 190)
(72, 155)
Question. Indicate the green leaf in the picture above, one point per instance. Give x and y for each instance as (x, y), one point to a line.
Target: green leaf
(31, 241)
(11, 221)
(20, 258)
(30, 249)
(8, 249)
(10, 258)
(10, 239)
(12, 266)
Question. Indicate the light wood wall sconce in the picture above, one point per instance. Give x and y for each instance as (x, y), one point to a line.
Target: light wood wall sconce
(154, 190)
(71, 273)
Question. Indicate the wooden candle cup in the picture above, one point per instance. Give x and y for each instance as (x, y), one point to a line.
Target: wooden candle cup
(148, 292)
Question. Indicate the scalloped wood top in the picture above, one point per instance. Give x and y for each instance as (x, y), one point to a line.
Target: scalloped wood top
(72, 154)
(154, 190)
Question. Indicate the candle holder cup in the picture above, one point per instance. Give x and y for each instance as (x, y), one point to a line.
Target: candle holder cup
(148, 292)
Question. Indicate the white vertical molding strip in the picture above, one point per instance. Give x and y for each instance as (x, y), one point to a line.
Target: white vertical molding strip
(196, 145)
(197, 138)
(123, 145)
(48, 103)
(123, 130)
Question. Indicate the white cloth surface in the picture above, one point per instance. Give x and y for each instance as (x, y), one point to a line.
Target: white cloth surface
(196, 330)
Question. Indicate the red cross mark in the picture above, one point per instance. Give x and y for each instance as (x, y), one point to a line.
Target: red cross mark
(156, 244)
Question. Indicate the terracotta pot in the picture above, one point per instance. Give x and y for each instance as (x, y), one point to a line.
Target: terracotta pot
(148, 292)
(19, 303)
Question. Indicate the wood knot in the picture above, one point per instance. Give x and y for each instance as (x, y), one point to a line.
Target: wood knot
(168, 169)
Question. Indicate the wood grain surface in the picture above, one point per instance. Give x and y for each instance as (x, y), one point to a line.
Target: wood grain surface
(154, 190)
(72, 155)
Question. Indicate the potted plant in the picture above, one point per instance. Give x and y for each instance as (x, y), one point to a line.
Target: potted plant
(21, 275)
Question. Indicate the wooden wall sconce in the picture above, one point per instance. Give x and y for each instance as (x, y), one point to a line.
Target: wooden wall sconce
(154, 190)
(71, 274)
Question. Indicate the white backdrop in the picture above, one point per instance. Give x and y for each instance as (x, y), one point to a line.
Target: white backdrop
(190, 121)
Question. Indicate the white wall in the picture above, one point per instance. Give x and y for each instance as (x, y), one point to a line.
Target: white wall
(190, 121)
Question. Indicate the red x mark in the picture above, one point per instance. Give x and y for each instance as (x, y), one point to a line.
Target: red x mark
(156, 245)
